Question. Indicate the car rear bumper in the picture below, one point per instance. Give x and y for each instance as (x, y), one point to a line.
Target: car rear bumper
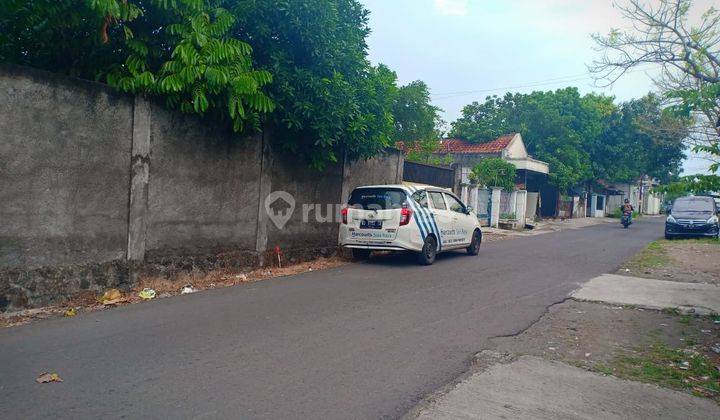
(401, 240)
(375, 247)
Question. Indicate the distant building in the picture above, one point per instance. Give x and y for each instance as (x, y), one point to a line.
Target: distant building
(531, 179)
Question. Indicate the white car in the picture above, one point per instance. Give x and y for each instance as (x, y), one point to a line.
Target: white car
(425, 220)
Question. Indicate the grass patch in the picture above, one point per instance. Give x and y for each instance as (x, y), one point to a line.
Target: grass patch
(672, 311)
(686, 319)
(682, 369)
(653, 256)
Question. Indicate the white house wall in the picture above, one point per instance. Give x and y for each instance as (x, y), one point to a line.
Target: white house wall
(516, 149)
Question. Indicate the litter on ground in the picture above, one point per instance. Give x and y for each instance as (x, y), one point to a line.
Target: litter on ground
(147, 293)
(111, 297)
(46, 377)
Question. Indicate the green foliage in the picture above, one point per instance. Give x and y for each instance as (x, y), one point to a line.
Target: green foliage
(691, 184)
(415, 118)
(581, 137)
(417, 124)
(330, 99)
(307, 75)
(424, 151)
(701, 101)
(176, 49)
(670, 367)
(494, 172)
(640, 138)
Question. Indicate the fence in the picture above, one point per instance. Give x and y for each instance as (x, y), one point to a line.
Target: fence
(429, 174)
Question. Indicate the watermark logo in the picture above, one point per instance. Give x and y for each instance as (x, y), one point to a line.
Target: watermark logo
(279, 206)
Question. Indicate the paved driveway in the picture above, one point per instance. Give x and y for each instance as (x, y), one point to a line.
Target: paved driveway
(359, 341)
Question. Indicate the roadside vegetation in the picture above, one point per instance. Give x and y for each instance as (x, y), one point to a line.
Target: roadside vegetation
(667, 348)
(685, 260)
(692, 366)
(299, 68)
(687, 50)
(582, 137)
(654, 255)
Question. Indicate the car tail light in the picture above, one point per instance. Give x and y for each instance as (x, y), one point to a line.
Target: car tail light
(344, 213)
(405, 216)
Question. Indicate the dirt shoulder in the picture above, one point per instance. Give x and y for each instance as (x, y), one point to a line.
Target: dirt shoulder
(164, 288)
(662, 347)
(687, 260)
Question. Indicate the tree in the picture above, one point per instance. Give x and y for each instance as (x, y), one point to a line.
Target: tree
(426, 151)
(418, 124)
(415, 118)
(551, 123)
(583, 138)
(688, 55)
(691, 184)
(494, 172)
(306, 78)
(179, 50)
(640, 138)
(330, 99)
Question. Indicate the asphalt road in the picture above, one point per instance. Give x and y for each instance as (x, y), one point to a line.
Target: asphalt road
(359, 341)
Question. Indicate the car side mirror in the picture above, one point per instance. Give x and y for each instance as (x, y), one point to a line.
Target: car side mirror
(468, 210)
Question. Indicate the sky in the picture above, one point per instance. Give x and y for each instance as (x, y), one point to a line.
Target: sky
(466, 50)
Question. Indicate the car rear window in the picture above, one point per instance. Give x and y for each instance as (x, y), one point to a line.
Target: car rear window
(694, 204)
(377, 198)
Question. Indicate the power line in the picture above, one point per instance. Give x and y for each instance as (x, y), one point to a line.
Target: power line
(556, 80)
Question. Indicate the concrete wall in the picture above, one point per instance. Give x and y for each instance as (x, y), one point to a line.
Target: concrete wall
(64, 170)
(98, 187)
(204, 187)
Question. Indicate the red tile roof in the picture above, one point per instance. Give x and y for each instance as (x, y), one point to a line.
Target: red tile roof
(463, 146)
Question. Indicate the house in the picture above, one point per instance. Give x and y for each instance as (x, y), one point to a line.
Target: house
(639, 192)
(531, 179)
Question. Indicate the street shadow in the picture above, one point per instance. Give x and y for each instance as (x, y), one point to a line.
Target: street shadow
(404, 258)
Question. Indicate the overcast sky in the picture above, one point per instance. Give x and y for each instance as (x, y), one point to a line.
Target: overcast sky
(466, 50)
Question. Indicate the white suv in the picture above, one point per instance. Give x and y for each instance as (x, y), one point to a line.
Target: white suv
(425, 220)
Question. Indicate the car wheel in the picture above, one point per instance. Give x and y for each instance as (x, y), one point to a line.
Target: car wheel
(429, 251)
(361, 254)
(474, 247)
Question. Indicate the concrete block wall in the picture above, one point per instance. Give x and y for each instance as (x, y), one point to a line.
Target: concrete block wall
(97, 187)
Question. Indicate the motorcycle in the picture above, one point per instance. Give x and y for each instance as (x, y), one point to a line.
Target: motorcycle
(626, 220)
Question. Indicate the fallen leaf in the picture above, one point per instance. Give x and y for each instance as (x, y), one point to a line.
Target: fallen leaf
(46, 377)
(70, 312)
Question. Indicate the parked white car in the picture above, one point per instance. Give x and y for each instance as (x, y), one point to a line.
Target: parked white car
(425, 220)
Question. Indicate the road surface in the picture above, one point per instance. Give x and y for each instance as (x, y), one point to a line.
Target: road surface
(358, 341)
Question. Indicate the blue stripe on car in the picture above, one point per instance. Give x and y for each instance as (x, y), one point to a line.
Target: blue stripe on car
(421, 227)
(429, 220)
(421, 218)
(437, 231)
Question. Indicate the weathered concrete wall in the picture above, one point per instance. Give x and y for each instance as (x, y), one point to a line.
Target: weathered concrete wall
(64, 170)
(384, 169)
(204, 187)
(98, 187)
(313, 223)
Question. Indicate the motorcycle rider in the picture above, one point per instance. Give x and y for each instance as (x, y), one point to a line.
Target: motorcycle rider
(627, 209)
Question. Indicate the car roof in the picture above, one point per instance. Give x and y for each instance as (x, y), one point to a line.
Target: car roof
(409, 188)
(695, 198)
